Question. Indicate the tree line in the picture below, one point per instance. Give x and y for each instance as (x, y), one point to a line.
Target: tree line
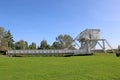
(7, 42)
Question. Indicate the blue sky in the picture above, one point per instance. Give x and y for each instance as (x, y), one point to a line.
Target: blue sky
(35, 20)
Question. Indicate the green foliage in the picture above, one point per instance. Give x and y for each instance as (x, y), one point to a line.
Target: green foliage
(7, 42)
(97, 67)
(44, 45)
(21, 45)
(119, 48)
(10, 40)
(2, 32)
(4, 38)
(56, 45)
(65, 41)
(32, 46)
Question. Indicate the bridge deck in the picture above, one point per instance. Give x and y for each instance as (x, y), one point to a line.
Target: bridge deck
(37, 52)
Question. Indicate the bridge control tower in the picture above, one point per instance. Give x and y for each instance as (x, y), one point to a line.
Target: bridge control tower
(88, 40)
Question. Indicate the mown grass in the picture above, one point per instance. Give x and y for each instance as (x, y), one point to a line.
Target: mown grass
(96, 67)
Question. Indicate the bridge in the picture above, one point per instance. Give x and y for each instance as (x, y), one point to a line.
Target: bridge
(87, 39)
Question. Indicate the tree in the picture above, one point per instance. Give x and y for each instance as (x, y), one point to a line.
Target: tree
(26, 45)
(2, 34)
(17, 45)
(21, 45)
(3, 39)
(32, 46)
(10, 40)
(44, 45)
(118, 47)
(56, 45)
(65, 41)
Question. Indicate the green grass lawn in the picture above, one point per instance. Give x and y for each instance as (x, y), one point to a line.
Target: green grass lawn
(96, 67)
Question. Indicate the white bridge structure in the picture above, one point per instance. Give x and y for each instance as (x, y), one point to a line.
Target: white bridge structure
(87, 39)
